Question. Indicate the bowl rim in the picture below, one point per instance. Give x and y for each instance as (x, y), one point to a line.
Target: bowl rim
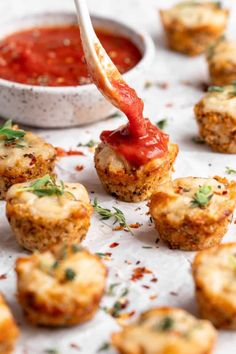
(147, 54)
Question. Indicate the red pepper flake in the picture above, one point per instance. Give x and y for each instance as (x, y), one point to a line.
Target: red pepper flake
(114, 244)
(146, 286)
(138, 262)
(79, 168)
(60, 152)
(169, 105)
(118, 228)
(3, 276)
(154, 280)
(139, 272)
(75, 346)
(153, 297)
(135, 226)
(163, 85)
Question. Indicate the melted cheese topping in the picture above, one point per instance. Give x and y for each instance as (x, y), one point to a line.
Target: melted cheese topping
(184, 334)
(217, 271)
(177, 196)
(225, 51)
(221, 102)
(5, 313)
(108, 158)
(21, 153)
(193, 14)
(50, 207)
(45, 275)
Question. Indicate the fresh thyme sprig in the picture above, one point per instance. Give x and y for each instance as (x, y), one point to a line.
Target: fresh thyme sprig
(106, 214)
(46, 186)
(9, 133)
(202, 197)
(230, 171)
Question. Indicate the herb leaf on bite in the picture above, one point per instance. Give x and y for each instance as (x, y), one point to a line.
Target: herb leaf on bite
(202, 197)
(9, 133)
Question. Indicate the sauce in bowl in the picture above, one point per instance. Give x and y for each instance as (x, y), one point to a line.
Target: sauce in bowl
(53, 56)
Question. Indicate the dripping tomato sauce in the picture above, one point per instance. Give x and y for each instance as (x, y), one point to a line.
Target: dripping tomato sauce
(139, 141)
(53, 56)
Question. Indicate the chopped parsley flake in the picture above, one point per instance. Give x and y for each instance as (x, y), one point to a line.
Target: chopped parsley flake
(166, 324)
(104, 346)
(215, 89)
(11, 135)
(161, 124)
(230, 171)
(90, 144)
(202, 197)
(70, 274)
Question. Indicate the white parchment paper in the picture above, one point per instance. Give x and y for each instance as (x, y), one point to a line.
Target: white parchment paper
(183, 80)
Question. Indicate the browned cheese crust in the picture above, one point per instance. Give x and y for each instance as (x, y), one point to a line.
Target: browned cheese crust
(61, 287)
(9, 331)
(216, 118)
(166, 330)
(221, 59)
(214, 273)
(131, 184)
(190, 26)
(185, 225)
(40, 223)
(32, 159)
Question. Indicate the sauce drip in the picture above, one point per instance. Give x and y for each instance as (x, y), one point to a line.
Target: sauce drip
(139, 141)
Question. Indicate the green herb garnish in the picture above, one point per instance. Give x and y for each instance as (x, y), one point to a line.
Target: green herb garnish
(202, 197)
(198, 140)
(10, 134)
(111, 288)
(230, 171)
(46, 186)
(161, 124)
(117, 215)
(215, 89)
(51, 351)
(76, 248)
(104, 346)
(90, 144)
(166, 324)
(70, 274)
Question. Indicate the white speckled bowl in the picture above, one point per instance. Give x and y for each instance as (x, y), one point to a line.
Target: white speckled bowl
(66, 106)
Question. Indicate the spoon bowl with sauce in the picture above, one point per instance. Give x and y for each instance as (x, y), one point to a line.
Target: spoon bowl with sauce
(44, 81)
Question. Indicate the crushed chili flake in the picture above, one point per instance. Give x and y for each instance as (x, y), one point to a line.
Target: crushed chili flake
(146, 286)
(169, 105)
(128, 262)
(79, 168)
(114, 244)
(154, 280)
(163, 85)
(118, 228)
(135, 226)
(60, 152)
(138, 262)
(139, 272)
(75, 346)
(3, 276)
(157, 240)
(153, 297)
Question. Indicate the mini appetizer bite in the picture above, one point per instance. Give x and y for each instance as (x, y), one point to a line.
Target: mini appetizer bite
(193, 213)
(23, 157)
(60, 287)
(166, 330)
(45, 212)
(9, 331)
(216, 118)
(214, 273)
(191, 26)
(221, 59)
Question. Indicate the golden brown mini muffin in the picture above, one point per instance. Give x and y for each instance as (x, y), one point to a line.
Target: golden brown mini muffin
(193, 213)
(216, 118)
(191, 26)
(8, 329)
(214, 273)
(166, 330)
(60, 287)
(222, 62)
(127, 182)
(43, 213)
(23, 156)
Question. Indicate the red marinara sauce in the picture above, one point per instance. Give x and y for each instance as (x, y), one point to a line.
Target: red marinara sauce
(53, 56)
(139, 141)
